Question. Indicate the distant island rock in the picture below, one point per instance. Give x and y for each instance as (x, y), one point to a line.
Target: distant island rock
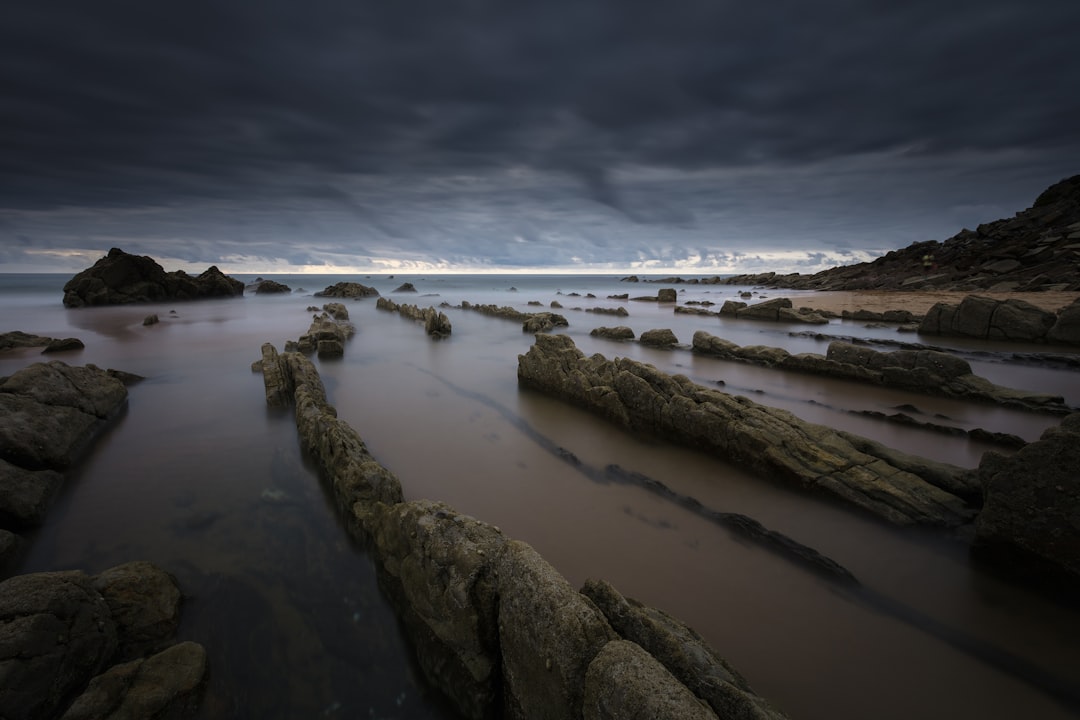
(347, 290)
(120, 278)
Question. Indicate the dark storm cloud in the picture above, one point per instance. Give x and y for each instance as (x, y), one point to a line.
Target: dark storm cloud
(345, 106)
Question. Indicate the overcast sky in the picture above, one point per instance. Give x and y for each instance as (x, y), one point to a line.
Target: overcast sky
(693, 136)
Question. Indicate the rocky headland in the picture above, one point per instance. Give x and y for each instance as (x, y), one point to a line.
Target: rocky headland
(120, 278)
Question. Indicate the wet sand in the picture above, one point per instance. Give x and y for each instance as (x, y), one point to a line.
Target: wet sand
(918, 302)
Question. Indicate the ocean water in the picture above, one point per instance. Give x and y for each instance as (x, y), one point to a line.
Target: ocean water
(199, 477)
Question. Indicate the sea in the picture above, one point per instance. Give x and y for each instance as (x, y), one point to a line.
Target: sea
(198, 476)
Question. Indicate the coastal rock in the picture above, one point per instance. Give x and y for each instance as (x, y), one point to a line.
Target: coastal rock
(666, 295)
(1031, 511)
(269, 287)
(63, 345)
(120, 278)
(51, 410)
(624, 682)
(405, 288)
(1066, 329)
(19, 339)
(682, 653)
(776, 310)
(659, 338)
(326, 335)
(613, 333)
(436, 324)
(348, 290)
(25, 495)
(543, 322)
(619, 311)
(56, 632)
(442, 583)
(988, 318)
(144, 600)
(166, 685)
(549, 635)
(771, 442)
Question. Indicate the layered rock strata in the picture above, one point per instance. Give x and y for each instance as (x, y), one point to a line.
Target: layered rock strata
(436, 324)
(96, 647)
(328, 332)
(530, 322)
(120, 278)
(928, 372)
(771, 442)
(494, 626)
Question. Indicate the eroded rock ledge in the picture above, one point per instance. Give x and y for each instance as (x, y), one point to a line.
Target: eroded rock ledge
(530, 322)
(496, 627)
(771, 442)
(436, 324)
(928, 372)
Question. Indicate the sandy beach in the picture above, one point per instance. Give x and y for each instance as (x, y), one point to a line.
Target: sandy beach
(918, 302)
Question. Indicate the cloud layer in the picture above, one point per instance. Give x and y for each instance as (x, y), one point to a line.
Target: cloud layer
(462, 135)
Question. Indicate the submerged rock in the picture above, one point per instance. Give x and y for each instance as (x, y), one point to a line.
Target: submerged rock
(120, 278)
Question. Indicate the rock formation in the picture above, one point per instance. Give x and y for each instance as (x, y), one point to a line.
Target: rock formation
(776, 310)
(1038, 249)
(1011, 320)
(268, 287)
(620, 332)
(49, 413)
(1031, 512)
(120, 278)
(328, 332)
(436, 324)
(659, 338)
(495, 627)
(405, 288)
(347, 290)
(928, 372)
(62, 633)
(771, 442)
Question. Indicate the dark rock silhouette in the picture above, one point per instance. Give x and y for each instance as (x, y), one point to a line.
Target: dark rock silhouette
(120, 278)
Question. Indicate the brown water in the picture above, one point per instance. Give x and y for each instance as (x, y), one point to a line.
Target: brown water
(200, 478)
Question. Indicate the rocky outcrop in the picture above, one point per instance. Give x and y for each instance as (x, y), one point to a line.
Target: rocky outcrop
(494, 626)
(268, 287)
(659, 338)
(620, 332)
(120, 278)
(58, 630)
(18, 339)
(776, 310)
(328, 332)
(771, 442)
(618, 311)
(990, 319)
(664, 295)
(1031, 513)
(436, 324)
(49, 413)
(1038, 249)
(405, 288)
(683, 653)
(928, 372)
(347, 290)
(530, 322)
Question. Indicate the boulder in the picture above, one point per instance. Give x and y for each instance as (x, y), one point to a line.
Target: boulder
(681, 652)
(144, 600)
(659, 338)
(63, 345)
(543, 322)
(1066, 328)
(1031, 511)
(405, 288)
(620, 332)
(56, 632)
(151, 319)
(347, 290)
(667, 295)
(269, 287)
(120, 278)
(166, 685)
(25, 495)
(19, 339)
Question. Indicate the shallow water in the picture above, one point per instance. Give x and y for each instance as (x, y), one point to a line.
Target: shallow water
(199, 477)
